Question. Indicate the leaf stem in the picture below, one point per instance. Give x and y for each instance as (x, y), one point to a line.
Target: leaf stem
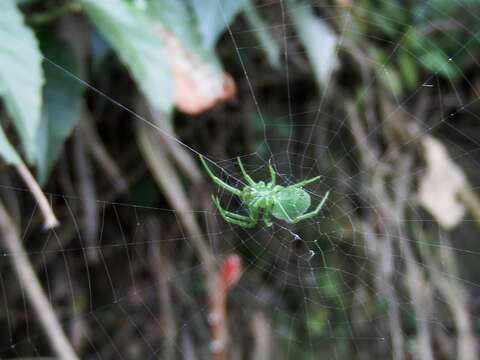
(47, 212)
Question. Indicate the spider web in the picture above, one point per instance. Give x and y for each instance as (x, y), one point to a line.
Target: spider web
(347, 283)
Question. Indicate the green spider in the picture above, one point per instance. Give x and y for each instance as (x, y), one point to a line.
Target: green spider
(287, 203)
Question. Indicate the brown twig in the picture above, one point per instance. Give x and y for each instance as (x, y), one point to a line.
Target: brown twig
(33, 289)
(262, 333)
(380, 248)
(166, 177)
(86, 188)
(227, 276)
(470, 199)
(392, 205)
(177, 152)
(379, 243)
(417, 284)
(161, 269)
(444, 275)
(9, 196)
(50, 220)
(100, 154)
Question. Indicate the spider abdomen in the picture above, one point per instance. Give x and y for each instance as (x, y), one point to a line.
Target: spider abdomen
(290, 202)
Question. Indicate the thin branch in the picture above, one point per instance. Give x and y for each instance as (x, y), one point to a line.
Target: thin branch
(262, 333)
(47, 212)
(99, 152)
(33, 289)
(86, 189)
(161, 269)
(178, 153)
(167, 179)
(10, 197)
(470, 199)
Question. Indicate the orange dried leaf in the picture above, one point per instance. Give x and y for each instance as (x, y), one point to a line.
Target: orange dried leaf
(198, 84)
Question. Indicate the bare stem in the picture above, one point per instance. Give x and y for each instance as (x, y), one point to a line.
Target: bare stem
(471, 201)
(33, 289)
(47, 212)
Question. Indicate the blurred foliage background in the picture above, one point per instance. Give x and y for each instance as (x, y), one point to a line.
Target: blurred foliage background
(112, 248)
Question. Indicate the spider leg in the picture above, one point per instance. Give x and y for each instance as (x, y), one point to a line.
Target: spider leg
(218, 181)
(245, 175)
(246, 225)
(273, 174)
(230, 217)
(222, 211)
(314, 212)
(266, 217)
(306, 182)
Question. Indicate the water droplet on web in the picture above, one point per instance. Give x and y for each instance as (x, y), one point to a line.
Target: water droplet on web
(295, 236)
(308, 256)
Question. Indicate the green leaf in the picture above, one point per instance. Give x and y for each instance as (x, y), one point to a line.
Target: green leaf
(62, 99)
(198, 24)
(198, 78)
(387, 75)
(317, 321)
(438, 62)
(178, 18)
(408, 69)
(383, 24)
(213, 17)
(132, 35)
(21, 77)
(318, 39)
(412, 40)
(99, 52)
(260, 28)
(7, 151)
(391, 80)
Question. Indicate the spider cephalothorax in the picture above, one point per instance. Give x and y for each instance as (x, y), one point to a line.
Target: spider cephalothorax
(287, 203)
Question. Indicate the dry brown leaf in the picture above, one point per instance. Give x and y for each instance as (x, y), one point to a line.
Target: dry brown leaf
(199, 85)
(439, 187)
